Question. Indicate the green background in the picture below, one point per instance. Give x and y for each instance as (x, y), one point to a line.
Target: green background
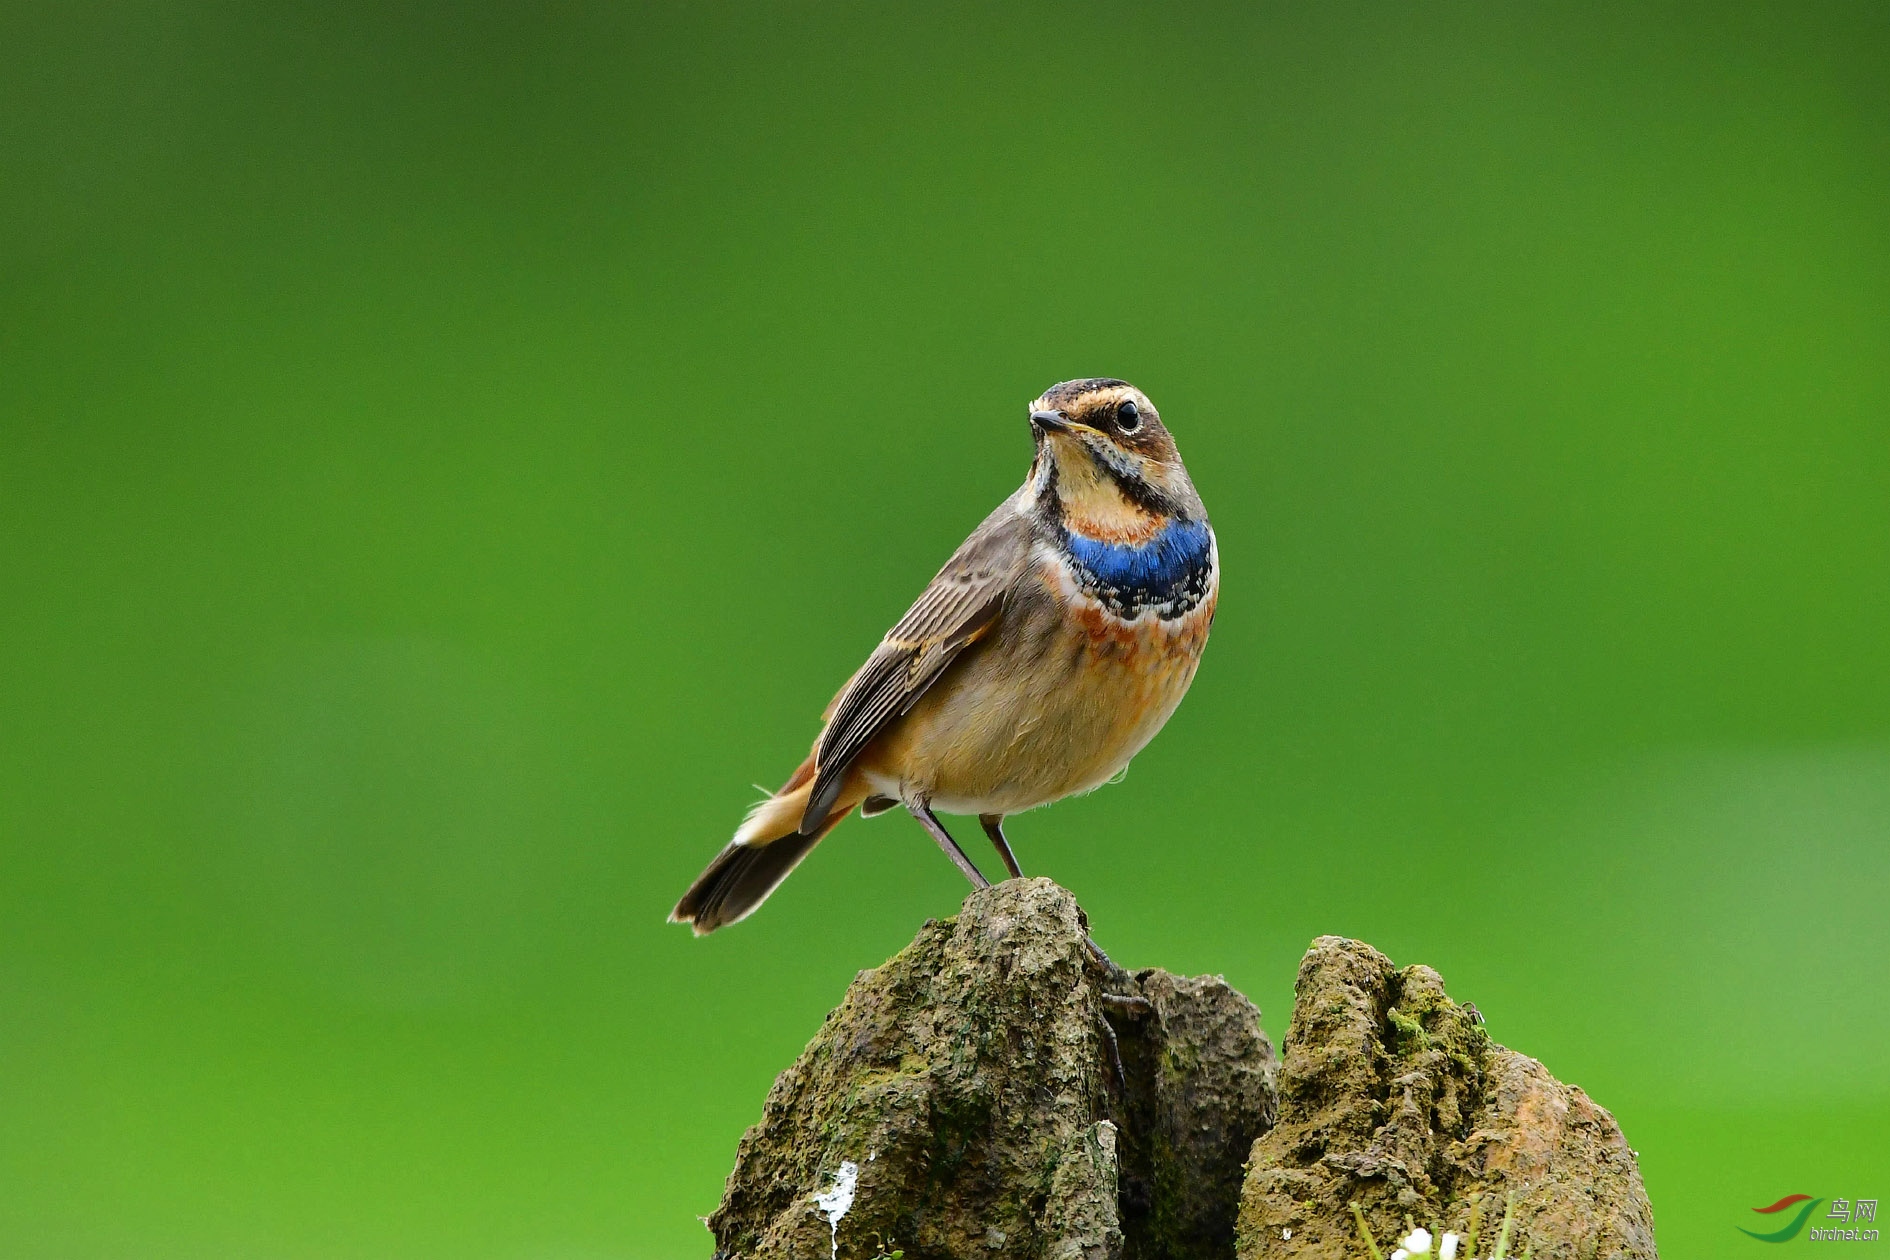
(448, 454)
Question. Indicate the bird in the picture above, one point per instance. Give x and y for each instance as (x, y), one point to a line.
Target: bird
(1046, 653)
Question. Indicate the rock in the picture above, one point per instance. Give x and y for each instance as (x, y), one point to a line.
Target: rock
(969, 1083)
(962, 1101)
(1392, 1096)
(1200, 1078)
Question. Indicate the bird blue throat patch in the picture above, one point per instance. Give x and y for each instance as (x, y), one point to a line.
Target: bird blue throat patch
(1169, 573)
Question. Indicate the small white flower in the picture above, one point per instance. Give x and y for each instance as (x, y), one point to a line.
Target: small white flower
(1418, 1243)
(1286, 1233)
(1447, 1250)
(1400, 1254)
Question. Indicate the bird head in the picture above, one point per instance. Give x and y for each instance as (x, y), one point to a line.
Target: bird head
(1105, 462)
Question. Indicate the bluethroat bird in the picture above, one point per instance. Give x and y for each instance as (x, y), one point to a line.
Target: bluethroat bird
(1046, 653)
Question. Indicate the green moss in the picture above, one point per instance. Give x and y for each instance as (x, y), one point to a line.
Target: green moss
(1407, 1033)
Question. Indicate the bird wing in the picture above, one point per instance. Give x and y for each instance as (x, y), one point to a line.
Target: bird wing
(958, 608)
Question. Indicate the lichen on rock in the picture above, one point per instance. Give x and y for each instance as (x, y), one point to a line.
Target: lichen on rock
(1393, 1096)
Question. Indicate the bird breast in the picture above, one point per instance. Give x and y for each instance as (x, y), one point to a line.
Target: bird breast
(1064, 692)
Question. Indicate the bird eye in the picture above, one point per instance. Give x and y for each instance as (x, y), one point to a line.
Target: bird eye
(1128, 417)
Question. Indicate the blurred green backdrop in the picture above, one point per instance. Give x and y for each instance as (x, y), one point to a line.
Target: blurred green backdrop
(448, 454)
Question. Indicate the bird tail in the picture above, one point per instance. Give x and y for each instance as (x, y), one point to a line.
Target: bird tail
(767, 847)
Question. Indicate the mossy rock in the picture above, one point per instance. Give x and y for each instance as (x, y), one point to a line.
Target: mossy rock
(1393, 1096)
(969, 1083)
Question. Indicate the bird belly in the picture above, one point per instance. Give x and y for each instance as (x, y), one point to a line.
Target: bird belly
(1055, 702)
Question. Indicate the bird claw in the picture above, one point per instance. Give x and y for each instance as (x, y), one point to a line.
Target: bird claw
(1115, 1056)
(1130, 1006)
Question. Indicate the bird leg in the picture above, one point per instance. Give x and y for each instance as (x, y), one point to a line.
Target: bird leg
(922, 810)
(1122, 1003)
(994, 827)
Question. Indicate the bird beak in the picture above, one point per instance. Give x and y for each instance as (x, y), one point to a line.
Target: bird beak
(1049, 421)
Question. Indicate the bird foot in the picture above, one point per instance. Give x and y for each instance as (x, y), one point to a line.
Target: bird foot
(1129, 1006)
(1126, 1004)
(1115, 1056)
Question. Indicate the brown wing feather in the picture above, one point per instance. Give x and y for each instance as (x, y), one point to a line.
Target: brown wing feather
(957, 609)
